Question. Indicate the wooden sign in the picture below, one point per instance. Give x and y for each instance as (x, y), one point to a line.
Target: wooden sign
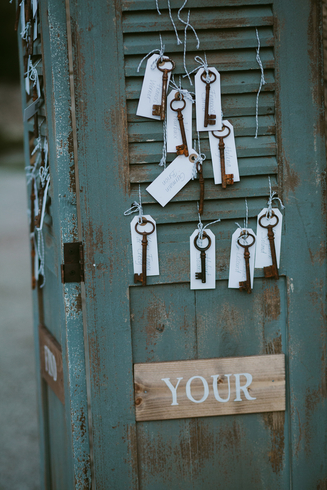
(202, 388)
(51, 362)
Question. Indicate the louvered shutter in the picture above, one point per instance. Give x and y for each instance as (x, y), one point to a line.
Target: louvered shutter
(166, 321)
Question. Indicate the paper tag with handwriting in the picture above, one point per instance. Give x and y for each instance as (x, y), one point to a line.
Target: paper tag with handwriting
(34, 6)
(231, 164)
(237, 271)
(214, 100)
(151, 91)
(174, 137)
(173, 178)
(152, 259)
(196, 271)
(263, 253)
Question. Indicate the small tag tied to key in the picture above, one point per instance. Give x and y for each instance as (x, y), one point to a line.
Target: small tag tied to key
(207, 100)
(241, 265)
(179, 123)
(148, 226)
(223, 155)
(173, 178)
(152, 102)
(202, 260)
(269, 237)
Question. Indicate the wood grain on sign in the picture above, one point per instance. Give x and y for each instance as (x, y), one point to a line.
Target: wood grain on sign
(201, 388)
(51, 362)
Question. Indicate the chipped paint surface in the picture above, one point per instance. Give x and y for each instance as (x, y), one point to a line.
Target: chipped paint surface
(167, 321)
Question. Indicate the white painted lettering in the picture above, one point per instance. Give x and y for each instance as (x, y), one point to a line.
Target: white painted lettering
(244, 388)
(50, 363)
(205, 386)
(215, 388)
(172, 388)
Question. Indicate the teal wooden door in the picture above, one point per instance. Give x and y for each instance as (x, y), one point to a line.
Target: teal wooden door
(114, 152)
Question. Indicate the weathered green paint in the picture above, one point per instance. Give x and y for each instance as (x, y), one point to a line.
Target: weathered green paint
(167, 321)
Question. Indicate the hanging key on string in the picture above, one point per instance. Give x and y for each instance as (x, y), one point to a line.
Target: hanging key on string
(207, 96)
(243, 242)
(144, 243)
(226, 149)
(199, 168)
(269, 236)
(179, 120)
(241, 264)
(203, 257)
(226, 179)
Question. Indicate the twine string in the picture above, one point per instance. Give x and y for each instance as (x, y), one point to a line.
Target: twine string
(262, 82)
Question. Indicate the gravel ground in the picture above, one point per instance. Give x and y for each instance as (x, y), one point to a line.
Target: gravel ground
(19, 445)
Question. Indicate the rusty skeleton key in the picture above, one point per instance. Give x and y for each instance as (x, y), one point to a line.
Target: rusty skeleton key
(226, 179)
(209, 119)
(199, 170)
(271, 270)
(246, 285)
(202, 275)
(160, 110)
(142, 277)
(181, 149)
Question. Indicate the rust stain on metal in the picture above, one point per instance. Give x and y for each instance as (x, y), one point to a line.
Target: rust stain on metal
(232, 318)
(319, 256)
(274, 346)
(275, 422)
(271, 298)
(130, 436)
(322, 484)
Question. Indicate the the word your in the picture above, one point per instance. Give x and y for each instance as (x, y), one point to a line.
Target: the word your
(50, 363)
(238, 388)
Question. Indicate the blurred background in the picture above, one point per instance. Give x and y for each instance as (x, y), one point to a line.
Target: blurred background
(19, 445)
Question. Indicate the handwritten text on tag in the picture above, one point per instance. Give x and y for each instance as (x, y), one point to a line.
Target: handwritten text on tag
(214, 100)
(237, 271)
(151, 91)
(173, 178)
(263, 253)
(210, 261)
(152, 263)
(231, 165)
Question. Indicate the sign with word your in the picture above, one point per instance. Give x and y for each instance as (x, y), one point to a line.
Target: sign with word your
(202, 388)
(51, 362)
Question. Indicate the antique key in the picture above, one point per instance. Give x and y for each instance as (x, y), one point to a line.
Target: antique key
(142, 277)
(246, 285)
(160, 110)
(181, 149)
(226, 179)
(208, 118)
(271, 270)
(202, 275)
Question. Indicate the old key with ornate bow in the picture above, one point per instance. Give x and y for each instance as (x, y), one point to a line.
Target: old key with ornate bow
(246, 285)
(142, 277)
(226, 179)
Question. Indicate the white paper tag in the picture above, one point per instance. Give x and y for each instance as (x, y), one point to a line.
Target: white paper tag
(35, 29)
(34, 6)
(263, 253)
(22, 16)
(172, 179)
(152, 258)
(237, 271)
(174, 137)
(195, 261)
(231, 164)
(46, 151)
(27, 85)
(151, 88)
(214, 100)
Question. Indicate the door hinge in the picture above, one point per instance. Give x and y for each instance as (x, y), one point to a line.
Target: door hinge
(72, 270)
